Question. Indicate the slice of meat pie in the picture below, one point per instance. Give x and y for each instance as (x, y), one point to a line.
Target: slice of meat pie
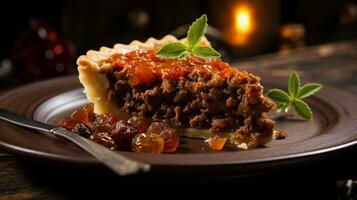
(130, 80)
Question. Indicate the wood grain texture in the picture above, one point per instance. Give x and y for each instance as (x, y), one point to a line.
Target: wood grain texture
(17, 184)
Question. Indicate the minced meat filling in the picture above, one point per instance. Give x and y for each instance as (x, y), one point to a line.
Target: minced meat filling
(234, 102)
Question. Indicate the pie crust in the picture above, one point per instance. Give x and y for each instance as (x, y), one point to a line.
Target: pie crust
(97, 89)
(96, 85)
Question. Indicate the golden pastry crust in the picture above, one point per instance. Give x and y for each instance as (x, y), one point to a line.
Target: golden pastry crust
(96, 86)
(94, 73)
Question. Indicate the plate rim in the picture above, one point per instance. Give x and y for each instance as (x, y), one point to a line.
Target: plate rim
(31, 153)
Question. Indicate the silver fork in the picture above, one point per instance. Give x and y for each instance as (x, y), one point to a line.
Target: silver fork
(112, 159)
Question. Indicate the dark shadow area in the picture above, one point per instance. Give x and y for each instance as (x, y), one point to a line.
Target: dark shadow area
(312, 179)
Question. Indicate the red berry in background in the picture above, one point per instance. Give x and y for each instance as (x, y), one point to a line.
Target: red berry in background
(40, 52)
(123, 134)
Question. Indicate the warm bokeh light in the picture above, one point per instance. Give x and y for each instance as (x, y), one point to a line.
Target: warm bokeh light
(243, 19)
(242, 25)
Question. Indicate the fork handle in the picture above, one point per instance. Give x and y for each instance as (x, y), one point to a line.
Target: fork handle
(115, 161)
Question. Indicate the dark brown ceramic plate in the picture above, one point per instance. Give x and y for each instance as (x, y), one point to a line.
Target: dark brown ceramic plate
(333, 127)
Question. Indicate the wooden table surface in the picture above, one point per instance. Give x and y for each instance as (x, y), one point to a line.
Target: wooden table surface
(332, 64)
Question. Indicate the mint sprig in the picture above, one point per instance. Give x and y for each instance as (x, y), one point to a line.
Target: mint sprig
(174, 49)
(297, 92)
(196, 31)
(194, 35)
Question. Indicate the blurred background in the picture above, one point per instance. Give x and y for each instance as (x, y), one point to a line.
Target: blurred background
(42, 39)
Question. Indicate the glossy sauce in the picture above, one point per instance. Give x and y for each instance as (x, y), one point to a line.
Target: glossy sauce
(143, 67)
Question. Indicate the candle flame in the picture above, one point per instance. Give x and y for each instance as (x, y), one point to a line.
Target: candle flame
(242, 25)
(243, 19)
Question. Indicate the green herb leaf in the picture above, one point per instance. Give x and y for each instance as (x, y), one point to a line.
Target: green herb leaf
(183, 55)
(205, 52)
(308, 90)
(286, 101)
(194, 35)
(172, 50)
(283, 107)
(196, 31)
(279, 95)
(302, 109)
(294, 84)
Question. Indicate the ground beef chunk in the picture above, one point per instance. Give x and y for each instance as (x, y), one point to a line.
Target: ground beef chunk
(200, 100)
(231, 102)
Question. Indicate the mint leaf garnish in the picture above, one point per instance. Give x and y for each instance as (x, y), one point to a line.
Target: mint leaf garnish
(283, 107)
(170, 50)
(194, 35)
(308, 90)
(294, 84)
(205, 52)
(182, 55)
(279, 96)
(302, 108)
(286, 101)
(196, 31)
